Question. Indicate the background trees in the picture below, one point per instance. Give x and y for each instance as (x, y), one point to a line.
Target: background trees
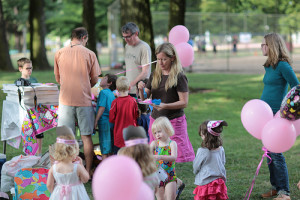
(89, 22)
(37, 35)
(4, 54)
(176, 13)
(55, 19)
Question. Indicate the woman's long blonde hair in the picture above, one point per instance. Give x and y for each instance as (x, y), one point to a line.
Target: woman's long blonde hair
(277, 50)
(176, 68)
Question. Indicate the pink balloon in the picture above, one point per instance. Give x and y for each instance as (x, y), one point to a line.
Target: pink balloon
(185, 53)
(296, 124)
(255, 114)
(278, 135)
(145, 192)
(117, 177)
(179, 34)
(277, 115)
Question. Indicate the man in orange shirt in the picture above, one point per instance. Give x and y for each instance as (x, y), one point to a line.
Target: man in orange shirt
(76, 69)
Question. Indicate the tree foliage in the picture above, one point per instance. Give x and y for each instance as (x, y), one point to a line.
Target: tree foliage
(63, 17)
(101, 19)
(16, 17)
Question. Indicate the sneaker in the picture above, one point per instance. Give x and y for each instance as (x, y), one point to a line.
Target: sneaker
(282, 197)
(180, 188)
(269, 194)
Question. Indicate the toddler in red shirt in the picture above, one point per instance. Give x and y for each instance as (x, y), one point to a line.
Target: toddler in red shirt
(123, 112)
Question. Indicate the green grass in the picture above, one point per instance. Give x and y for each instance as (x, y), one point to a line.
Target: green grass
(213, 96)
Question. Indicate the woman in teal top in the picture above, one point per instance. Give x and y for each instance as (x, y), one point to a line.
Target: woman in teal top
(279, 74)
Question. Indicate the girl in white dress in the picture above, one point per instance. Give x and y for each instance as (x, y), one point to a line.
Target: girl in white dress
(66, 177)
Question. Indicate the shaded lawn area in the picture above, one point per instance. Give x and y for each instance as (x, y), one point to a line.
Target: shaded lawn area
(212, 96)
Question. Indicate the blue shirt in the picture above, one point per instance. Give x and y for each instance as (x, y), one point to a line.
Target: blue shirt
(276, 84)
(144, 121)
(105, 98)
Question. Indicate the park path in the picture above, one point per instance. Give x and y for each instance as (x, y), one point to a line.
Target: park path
(238, 65)
(245, 65)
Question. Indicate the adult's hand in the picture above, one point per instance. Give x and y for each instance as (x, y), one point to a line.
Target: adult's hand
(141, 85)
(159, 107)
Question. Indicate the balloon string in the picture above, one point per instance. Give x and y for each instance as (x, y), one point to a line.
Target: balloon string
(122, 72)
(257, 171)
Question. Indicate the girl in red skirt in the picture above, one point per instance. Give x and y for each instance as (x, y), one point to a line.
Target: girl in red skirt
(209, 164)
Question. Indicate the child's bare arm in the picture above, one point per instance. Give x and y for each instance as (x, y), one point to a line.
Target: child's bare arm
(99, 114)
(50, 180)
(82, 173)
(152, 146)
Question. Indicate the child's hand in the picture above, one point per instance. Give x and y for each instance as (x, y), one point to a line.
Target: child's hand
(298, 185)
(77, 160)
(95, 125)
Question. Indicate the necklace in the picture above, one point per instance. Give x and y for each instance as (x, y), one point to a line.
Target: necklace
(75, 44)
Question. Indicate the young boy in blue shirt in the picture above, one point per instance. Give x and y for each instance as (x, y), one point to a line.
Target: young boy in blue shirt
(25, 67)
(105, 98)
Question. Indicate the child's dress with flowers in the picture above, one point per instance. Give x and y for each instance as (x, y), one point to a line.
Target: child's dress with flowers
(169, 167)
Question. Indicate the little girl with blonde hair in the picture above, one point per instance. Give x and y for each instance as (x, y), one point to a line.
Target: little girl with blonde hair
(165, 154)
(67, 175)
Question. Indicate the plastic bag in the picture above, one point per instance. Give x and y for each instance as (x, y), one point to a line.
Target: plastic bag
(162, 174)
(11, 167)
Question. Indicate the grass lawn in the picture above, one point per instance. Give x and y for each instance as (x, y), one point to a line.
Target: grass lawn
(212, 96)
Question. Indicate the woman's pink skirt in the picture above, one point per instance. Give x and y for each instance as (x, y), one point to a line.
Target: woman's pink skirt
(215, 190)
(185, 151)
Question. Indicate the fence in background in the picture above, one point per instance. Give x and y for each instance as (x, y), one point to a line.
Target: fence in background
(221, 30)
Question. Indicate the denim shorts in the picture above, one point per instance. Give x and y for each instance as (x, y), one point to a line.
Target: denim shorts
(85, 117)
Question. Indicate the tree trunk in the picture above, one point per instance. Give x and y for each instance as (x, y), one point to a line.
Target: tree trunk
(89, 22)
(37, 35)
(138, 12)
(176, 13)
(18, 36)
(5, 61)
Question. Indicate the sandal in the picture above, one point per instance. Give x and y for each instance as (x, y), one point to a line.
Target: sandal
(180, 188)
